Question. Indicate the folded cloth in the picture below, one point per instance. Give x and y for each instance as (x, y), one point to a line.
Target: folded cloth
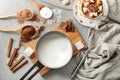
(103, 61)
(114, 8)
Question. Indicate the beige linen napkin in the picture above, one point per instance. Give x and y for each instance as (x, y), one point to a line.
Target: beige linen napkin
(103, 61)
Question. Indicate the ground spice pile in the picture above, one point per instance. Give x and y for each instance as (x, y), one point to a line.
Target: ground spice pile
(25, 14)
(28, 31)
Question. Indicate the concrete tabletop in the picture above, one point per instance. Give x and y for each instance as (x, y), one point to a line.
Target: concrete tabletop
(8, 7)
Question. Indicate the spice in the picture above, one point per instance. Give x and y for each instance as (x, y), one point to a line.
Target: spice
(9, 47)
(25, 14)
(81, 21)
(19, 65)
(24, 39)
(20, 21)
(42, 28)
(35, 18)
(17, 62)
(28, 31)
(12, 57)
(45, 20)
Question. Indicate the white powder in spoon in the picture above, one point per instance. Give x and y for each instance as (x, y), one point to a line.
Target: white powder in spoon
(46, 12)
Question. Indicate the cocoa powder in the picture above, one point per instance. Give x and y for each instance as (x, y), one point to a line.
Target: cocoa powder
(35, 18)
(24, 39)
(42, 28)
(20, 21)
(28, 31)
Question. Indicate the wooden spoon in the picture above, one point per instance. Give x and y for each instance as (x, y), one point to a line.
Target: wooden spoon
(21, 15)
(38, 6)
(19, 30)
(43, 10)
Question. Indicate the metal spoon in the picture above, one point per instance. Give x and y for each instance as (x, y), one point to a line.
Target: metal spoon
(79, 65)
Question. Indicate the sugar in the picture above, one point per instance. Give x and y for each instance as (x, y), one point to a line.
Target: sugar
(46, 12)
(79, 45)
(28, 52)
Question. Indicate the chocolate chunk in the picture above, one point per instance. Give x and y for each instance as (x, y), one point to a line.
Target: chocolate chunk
(67, 26)
(42, 28)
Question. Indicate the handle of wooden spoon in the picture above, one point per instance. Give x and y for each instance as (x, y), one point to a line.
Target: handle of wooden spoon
(8, 30)
(38, 6)
(9, 16)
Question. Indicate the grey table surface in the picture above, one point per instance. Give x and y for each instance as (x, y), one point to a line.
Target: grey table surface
(12, 6)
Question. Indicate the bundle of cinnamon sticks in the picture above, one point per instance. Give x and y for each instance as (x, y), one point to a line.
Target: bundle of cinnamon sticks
(14, 66)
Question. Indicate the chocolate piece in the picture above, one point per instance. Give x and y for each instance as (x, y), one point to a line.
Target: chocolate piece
(61, 24)
(42, 28)
(67, 26)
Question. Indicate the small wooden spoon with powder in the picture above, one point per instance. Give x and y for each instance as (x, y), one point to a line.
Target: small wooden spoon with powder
(43, 10)
(26, 31)
(25, 14)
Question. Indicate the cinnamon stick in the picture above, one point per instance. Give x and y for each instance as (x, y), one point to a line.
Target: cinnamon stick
(17, 62)
(12, 57)
(19, 65)
(9, 47)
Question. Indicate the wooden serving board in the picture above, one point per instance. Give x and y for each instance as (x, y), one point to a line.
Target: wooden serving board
(74, 36)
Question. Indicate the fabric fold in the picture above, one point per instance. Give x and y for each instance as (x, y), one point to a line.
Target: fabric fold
(103, 57)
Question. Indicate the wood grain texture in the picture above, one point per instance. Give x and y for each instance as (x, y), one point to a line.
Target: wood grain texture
(74, 36)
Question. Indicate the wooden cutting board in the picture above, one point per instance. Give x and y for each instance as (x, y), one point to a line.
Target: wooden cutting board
(74, 36)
